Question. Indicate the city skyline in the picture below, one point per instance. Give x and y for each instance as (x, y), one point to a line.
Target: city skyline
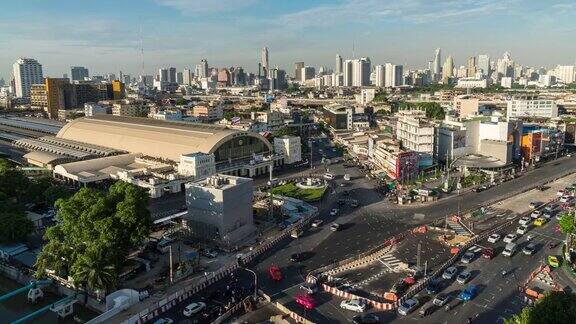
(232, 33)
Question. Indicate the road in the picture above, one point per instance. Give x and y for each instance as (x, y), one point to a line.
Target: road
(368, 226)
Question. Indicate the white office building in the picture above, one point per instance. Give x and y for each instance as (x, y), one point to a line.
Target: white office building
(197, 165)
(27, 72)
(471, 83)
(393, 75)
(220, 209)
(290, 146)
(565, 73)
(415, 131)
(506, 82)
(380, 75)
(91, 109)
(361, 72)
(531, 107)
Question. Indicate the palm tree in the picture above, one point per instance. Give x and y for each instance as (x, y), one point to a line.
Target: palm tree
(93, 271)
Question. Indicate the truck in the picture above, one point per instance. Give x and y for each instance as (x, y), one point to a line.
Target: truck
(509, 250)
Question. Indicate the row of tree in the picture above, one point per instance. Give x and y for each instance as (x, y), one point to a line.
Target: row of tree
(94, 234)
(433, 109)
(16, 191)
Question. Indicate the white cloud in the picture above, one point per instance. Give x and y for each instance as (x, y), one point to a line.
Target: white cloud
(204, 6)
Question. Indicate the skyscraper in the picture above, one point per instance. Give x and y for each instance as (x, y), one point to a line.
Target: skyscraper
(202, 69)
(448, 69)
(265, 61)
(187, 77)
(348, 73)
(172, 75)
(361, 72)
(298, 70)
(78, 73)
(484, 64)
(163, 75)
(436, 64)
(180, 78)
(338, 66)
(394, 75)
(380, 75)
(26, 72)
(471, 67)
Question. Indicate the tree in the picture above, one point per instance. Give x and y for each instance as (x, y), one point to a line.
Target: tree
(94, 234)
(554, 307)
(14, 225)
(567, 223)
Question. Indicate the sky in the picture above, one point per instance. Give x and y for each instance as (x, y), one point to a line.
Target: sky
(104, 35)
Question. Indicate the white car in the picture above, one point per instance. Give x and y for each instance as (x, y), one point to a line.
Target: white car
(560, 193)
(408, 306)
(463, 277)
(317, 222)
(334, 212)
(521, 230)
(328, 176)
(494, 238)
(549, 208)
(467, 257)
(535, 214)
(510, 238)
(193, 308)
(565, 199)
(355, 305)
(547, 216)
(524, 220)
(449, 273)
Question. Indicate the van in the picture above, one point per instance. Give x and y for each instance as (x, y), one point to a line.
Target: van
(296, 233)
(347, 177)
(509, 250)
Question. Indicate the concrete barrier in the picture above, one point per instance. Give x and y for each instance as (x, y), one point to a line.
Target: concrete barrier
(346, 295)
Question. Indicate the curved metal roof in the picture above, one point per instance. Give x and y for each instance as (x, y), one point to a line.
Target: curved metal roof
(151, 137)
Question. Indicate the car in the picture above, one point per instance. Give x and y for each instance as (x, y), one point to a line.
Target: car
(346, 193)
(481, 188)
(341, 202)
(309, 288)
(522, 229)
(468, 257)
(540, 221)
(355, 305)
(558, 216)
(509, 249)
(334, 212)
(296, 257)
(549, 208)
(464, 276)
(535, 214)
(354, 203)
(317, 222)
(210, 312)
(193, 308)
(560, 193)
(209, 253)
(488, 253)
(335, 227)
(328, 176)
(535, 204)
(565, 199)
(164, 320)
(433, 286)
(306, 301)
(275, 273)
(408, 306)
(365, 319)
(553, 261)
(493, 238)
(469, 293)
(524, 220)
(449, 273)
(510, 238)
(529, 249)
(296, 233)
(441, 300)
(547, 216)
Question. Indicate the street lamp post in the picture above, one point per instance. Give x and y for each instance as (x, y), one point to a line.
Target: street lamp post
(255, 282)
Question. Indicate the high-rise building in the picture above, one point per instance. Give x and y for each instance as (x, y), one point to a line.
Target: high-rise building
(338, 66)
(27, 72)
(448, 69)
(179, 77)
(361, 72)
(348, 73)
(471, 68)
(307, 73)
(265, 61)
(78, 73)
(436, 64)
(565, 73)
(394, 75)
(118, 91)
(187, 77)
(172, 75)
(202, 69)
(163, 75)
(380, 75)
(298, 70)
(484, 64)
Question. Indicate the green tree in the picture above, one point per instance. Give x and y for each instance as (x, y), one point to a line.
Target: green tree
(14, 225)
(13, 183)
(554, 307)
(53, 193)
(94, 234)
(567, 223)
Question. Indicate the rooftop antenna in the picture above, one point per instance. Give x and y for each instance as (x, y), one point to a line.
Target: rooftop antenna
(141, 48)
(353, 51)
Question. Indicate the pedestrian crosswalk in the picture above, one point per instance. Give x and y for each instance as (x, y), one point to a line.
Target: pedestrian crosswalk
(370, 279)
(459, 229)
(390, 261)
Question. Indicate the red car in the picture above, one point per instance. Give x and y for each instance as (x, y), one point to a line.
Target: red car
(306, 301)
(488, 253)
(275, 273)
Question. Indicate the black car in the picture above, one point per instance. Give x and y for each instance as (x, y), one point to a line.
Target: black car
(365, 319)
(210, 312)
(341, 202)
(433, 286)
(296, 257)
(481, 188)
(346, 193)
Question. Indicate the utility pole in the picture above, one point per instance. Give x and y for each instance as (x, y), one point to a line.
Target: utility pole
(418, 254)
(171, 270)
